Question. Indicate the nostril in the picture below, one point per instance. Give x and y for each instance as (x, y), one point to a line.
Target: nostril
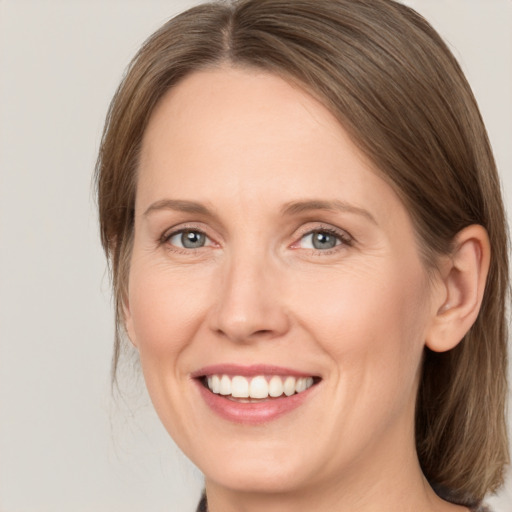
(262, 332)
(245, 333)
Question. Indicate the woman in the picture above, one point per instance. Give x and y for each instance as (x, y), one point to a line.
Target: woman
(308, 249)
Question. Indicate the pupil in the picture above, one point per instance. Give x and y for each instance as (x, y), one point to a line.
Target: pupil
(192, 239)
(323, 241)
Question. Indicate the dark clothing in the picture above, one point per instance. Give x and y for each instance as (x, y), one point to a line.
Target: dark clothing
(202, 507)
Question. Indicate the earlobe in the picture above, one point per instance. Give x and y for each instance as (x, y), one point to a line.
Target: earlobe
(463, 278)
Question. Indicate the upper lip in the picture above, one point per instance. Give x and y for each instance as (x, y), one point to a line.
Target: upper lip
(248, 370)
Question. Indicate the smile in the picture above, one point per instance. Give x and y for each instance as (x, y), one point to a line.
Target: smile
(257, 387)
(253, 395)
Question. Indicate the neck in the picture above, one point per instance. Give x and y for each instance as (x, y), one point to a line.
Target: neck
(417, 497)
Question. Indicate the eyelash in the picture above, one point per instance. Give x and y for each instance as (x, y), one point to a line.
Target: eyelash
(166, 237)
(342, 236)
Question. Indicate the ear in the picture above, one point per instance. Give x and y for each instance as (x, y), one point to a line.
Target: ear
(128, 321)
(463, 277)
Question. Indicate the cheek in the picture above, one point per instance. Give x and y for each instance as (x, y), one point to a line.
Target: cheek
(165, 307)
(166, 310)
(372, 328)
(371, 321)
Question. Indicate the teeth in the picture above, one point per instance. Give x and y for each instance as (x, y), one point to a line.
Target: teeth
(239, 387)
(289, 386)
(257, 387)
(225, 385)
(300, 385)
(215, 384)
(275, 386)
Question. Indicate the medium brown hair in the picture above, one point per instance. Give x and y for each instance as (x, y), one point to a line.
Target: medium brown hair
(384, 72)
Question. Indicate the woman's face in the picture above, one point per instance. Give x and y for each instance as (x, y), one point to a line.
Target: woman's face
(269, 257)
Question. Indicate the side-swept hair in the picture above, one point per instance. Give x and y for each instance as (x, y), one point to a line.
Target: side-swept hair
(394, 85)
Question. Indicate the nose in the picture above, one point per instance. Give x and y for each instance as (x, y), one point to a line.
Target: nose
(249, 303)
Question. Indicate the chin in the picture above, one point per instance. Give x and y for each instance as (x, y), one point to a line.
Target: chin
(272, 466)
(258, 476)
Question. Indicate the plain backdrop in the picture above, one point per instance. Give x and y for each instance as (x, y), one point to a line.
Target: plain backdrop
(65, 444)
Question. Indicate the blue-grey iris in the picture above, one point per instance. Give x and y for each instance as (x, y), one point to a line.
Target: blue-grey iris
(322, 240)
(192, 239)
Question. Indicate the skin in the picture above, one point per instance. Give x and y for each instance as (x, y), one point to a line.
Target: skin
(245, 145)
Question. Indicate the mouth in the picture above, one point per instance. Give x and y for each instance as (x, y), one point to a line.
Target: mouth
(253, 394)
(258, 387)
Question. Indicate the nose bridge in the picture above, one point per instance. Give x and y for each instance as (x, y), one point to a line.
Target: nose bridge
(248, 304)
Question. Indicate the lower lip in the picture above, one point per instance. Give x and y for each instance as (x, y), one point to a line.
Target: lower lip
(252, 413)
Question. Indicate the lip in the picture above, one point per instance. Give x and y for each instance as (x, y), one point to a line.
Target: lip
(252, 413)
(247, 370)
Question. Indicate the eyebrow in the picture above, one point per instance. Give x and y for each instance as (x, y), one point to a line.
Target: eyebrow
(292, 208)
(178, 205)
(297, 207)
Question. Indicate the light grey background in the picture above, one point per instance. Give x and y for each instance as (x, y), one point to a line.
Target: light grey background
(64, 444)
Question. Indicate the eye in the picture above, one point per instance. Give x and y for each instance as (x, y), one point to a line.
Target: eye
(322, 240)
(188, 239)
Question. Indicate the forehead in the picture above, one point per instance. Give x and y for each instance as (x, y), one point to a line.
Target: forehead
(228, 105)
(227, 133)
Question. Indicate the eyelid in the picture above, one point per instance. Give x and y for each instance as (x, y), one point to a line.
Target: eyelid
(180, 228)
(345, 238)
